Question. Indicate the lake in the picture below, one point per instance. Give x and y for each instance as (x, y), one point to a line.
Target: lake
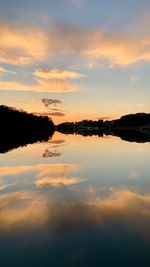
(75, 201)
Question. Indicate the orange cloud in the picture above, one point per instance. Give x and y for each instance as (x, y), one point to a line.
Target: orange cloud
(43, 169)
(123, 202)
(40, 86)
(55, 80)
(14, 85)
(14, 170)
(119, 49)
(22, 46)
(56, 85)
(57, 74)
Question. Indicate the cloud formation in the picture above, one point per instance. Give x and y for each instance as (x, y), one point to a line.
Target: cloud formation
(56, 114)
(14, 170)
(27, 46)
(22, 46)
(49, 101)
(54, 175)
(39, 86)
(118, 49)
(57, 182)
(32, 209)
(43, 172)
(56, 80)
(22, 209)
(57, 74)
(125, 207)
(14, 85)
(51, 113)
(57, 142)
(57, 85)
(50, 154)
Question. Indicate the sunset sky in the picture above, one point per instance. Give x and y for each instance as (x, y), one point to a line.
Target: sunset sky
(75, 59)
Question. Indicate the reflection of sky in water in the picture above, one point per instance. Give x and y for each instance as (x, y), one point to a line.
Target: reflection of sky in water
(88, 206)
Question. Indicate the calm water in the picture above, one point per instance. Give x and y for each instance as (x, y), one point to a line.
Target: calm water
(75, 201)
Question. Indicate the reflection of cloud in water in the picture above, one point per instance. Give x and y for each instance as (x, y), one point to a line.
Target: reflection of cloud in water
(49, 154)
(57, 175)
(129, 209)
(22, 209)
(14, 170)
(44, 175)
(56, 182)
(57, 142)
(41, 168)
(123, 207)
(57, 114)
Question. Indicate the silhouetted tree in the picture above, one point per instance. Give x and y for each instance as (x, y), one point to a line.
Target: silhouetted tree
(133, 120)
(20, 128)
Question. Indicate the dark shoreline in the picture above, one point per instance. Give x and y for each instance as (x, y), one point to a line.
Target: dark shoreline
(126, 134)
(132, 127)
(19, 128)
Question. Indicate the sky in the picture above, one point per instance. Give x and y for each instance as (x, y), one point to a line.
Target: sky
(75, 59)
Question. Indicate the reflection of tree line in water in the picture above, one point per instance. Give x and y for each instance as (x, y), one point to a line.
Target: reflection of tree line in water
(132, 127)
(18, 128)
(125, 134)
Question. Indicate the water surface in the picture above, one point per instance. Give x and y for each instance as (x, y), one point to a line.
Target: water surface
(75, 201)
